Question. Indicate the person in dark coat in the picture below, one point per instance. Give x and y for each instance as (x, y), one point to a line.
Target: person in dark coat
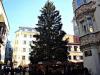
(12, 71)
(1, 70)
(24, 70)
(40, 72)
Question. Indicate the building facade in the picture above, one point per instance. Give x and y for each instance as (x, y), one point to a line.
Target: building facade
(75, 54)
(4, 29)
(8, 52)
(21, 46)
(87, 16)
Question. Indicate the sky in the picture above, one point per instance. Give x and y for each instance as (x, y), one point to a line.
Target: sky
(25, 13)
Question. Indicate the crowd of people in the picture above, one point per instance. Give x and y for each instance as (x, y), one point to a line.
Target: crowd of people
(9, 70)
(44, 70)
(58, 70)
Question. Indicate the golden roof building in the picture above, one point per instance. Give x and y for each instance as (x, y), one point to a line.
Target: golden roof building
(75, 54)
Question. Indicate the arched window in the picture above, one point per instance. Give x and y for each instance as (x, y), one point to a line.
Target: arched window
(90, 23)
(84, 27)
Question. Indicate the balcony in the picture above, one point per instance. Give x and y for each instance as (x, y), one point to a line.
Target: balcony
(89, 39)
(85, 9)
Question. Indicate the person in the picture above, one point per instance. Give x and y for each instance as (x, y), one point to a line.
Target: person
(7, 70)
(1, 70)
(24, 70)
(12, 70)
(30, 69)
(20, 69)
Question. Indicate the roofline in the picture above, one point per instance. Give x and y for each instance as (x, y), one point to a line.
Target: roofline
(8, 26)
(26, 28)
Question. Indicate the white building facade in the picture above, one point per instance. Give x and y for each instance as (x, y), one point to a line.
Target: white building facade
(75, 53)
(87, 16)
(21, 46)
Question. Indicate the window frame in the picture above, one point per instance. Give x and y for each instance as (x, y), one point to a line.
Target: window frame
(75, 48)
(75, 57)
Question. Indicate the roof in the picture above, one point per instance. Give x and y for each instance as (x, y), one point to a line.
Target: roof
(26, 29)
(72, 38)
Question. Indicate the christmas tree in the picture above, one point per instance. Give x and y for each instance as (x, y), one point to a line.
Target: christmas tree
(49, 44)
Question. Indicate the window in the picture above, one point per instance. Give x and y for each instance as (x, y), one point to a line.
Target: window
(30, 36)
(84, 26)
(99, 5)
(15, 56)
(90, 23)
(25, 35)
(75, 48)
(99, 57)
(29, 49)
(69, 57)
(74, 57)
(17, 35)
(24, 42)
(81, 57)
(88, 53)
(24, 49)
(16, 42)
(69, 48)
(15, 49)
(23, 57)
(1, 29)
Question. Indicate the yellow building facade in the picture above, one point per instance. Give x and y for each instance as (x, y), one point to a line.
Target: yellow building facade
(75, 54)
(21, 46)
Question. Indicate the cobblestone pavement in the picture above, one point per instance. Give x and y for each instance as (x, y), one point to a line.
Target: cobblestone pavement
(25, 73)
(19, 73)
(22, 73)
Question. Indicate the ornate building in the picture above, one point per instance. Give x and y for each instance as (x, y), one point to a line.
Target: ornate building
(4, 29)
(87, 16)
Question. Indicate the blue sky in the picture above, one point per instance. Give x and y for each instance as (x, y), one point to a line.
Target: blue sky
(25, 13)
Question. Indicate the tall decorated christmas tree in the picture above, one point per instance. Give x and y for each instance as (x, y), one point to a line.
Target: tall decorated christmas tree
(49, 44)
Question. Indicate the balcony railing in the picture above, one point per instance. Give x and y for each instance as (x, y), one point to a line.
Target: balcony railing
(85, 8)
